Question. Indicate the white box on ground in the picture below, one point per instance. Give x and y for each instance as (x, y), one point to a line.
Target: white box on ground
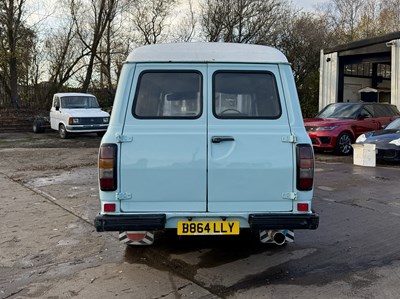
(364, 155)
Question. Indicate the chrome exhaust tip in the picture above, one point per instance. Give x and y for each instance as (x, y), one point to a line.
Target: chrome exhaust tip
(277, 237)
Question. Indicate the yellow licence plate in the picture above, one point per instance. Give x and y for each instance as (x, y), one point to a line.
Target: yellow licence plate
(208, 227)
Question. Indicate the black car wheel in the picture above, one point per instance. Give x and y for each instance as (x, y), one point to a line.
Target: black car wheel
(37, 126)
(343, 144)
(62, 131)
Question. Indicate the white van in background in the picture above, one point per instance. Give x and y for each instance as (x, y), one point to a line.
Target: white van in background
(74, 113)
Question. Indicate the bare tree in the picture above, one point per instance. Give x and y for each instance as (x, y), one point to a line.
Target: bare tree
(242, 21)
(357, 19)
(301, 38)
(185, 28)
(389, 17)
(91, 23)
(16, 42)
(64, 55)
(369, 25)
(150, 20)
(111, 52)
(344, 17)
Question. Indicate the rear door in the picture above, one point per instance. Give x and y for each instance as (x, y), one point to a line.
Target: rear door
(163, 161)
(250, 156)
(194, 144)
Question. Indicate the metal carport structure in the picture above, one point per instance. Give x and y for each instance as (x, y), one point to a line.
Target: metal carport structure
(348, 68)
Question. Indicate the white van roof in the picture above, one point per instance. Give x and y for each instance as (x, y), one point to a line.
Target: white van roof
(207, 52)
(73, 94)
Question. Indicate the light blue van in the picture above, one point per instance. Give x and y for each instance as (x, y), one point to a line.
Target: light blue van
(206, 139)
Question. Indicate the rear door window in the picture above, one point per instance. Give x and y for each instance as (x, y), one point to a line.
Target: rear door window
(247, 95)
(168, 95)
(368, 111)
(384, 110)
(394, 110)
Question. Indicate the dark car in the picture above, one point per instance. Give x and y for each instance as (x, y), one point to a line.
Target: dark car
(338, 125)
(387, 141)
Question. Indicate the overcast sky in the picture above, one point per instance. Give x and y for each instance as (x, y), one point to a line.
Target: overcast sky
(41, 8)
(307, 4)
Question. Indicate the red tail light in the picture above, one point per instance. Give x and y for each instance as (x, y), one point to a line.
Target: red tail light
(305, 167)
(108, 167)
(109, 207)
(302, 207)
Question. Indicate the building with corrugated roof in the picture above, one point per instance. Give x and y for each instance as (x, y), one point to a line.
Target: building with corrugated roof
(366, 70)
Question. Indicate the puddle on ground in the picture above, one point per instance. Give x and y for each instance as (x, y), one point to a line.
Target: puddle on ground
(50, 180)
(325, 188)
(76, 177)
(67, 242)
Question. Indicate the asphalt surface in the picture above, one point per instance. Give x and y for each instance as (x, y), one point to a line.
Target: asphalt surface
(49, 248)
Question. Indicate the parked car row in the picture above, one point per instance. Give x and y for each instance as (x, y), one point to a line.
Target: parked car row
(335, 128)
(387, 141)
(339, 125)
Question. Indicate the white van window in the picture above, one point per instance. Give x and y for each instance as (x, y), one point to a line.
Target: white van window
(246, 95)
(79, 102)
(161, 94)
(56, 102)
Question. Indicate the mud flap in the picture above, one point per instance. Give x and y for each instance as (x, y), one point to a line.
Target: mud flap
(265, 236)
(137, 238)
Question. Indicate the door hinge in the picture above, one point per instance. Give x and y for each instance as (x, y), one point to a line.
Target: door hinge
(289, 195)
(123, 196)
(290, 139)
(123, 138)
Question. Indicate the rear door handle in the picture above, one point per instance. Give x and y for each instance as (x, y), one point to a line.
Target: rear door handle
(219, 139)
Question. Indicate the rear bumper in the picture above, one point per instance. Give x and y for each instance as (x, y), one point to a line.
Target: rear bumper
(143, 222)
(151, 222)
(283, 221)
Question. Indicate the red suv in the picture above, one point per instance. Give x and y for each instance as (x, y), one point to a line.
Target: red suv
(337, 125)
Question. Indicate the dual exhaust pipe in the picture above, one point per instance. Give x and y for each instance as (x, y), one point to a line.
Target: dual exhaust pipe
(277, 237)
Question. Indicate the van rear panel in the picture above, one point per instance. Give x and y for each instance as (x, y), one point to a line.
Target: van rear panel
(206, 138)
